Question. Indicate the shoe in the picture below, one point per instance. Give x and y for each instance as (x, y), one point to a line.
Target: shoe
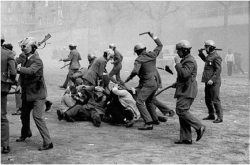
(6, 150)
(200, 132)
(62, 87)
(18, 112)
(162, 118)
(97, 121)
(209, 117)
(46, 147)
(130, 123)
(184, 142)
(156, 122)
(171, 113)
(48, 105)
(59, 114)
(21, 139)
(146, 127)
(218, 120)
(69, 119)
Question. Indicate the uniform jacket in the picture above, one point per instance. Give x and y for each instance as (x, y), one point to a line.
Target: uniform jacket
(144, 67)
(117, 59)
(31, 79)
(74, 58)
(96, 70)
(212, 68)
(8, 69)
(186, 84)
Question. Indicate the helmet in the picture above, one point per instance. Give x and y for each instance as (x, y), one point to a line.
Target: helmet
(183, 44)
(210, 43)
(29, 41)
(2, 37)
(72, 44)
(91, 56)
(112, 46)
(139, 46)
(109, 52)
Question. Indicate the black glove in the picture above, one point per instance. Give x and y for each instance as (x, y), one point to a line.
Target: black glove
(168, 69)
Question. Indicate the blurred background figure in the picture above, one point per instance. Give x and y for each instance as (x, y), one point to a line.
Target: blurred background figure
(237, 65)
(229, 60)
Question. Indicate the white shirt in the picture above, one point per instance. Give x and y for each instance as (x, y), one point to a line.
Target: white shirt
(229, 58)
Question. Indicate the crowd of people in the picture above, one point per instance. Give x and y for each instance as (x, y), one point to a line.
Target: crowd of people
(92, 94)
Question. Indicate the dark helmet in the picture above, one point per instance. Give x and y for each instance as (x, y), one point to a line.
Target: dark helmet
(139, 46)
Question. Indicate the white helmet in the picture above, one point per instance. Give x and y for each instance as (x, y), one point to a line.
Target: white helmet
(72, 44)
(183, 44)
(111, 46)
(210, 43)
(29, 41)
(109, 52)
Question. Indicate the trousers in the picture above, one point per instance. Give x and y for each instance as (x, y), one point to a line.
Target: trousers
(4, 121)
(161, 106)
(212, 99)
(147, 110)
(38, 108)
(68, 80)
(186, 119)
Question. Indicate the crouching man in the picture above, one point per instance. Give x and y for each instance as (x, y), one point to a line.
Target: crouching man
(91, 108)
(122, 107)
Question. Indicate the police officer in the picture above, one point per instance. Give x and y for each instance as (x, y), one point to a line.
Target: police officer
(32, 86)
(74, 64)
(117, 62)
(144, 67)
(8, 75)
(186, 91)
(97, 70)
(212, 79)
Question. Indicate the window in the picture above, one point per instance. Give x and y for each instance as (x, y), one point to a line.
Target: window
(201, 14)
(212, 13)
(237, 11)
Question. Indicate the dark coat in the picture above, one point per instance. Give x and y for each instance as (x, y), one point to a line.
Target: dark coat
(31, 79)
(8, 69)
(145, 67)
(212, 68)
(74, 58)
(96, 70)
(117, 59)
(186, 84)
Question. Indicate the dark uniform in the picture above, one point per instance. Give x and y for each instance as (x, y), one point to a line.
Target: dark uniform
(74, 66)
(95, 72)
(8, 75)
(34, 94)
(145, 68)
(212, 71)
(116, 68)
(186, 91)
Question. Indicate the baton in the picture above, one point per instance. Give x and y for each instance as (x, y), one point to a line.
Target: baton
(166, 69)
(64, 66)
(144, 33)
(214, 49)
(163, 90)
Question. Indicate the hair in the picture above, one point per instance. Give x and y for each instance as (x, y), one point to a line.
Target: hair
(73, 90)
(72, 47)
(8, 46)
(2, 41)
